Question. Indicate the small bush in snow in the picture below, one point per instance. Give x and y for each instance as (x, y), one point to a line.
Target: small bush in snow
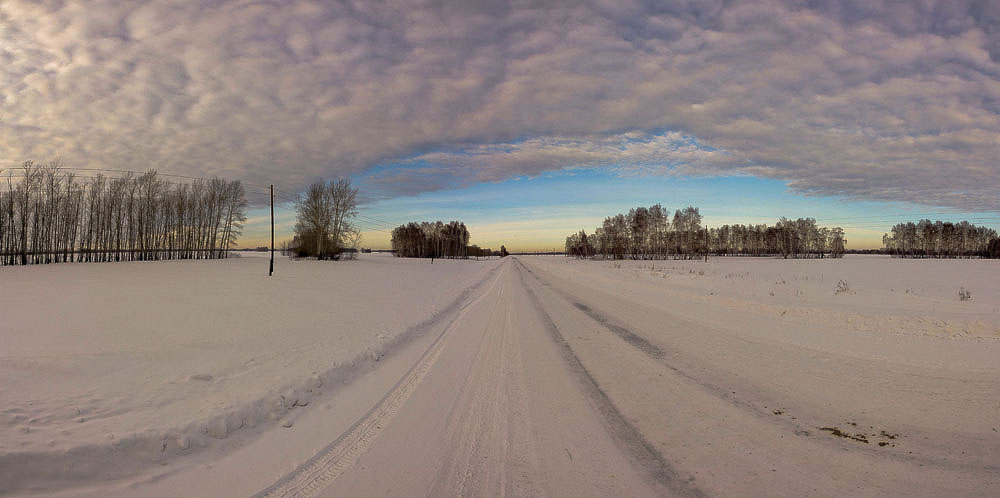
(842, 288)
(964, 294)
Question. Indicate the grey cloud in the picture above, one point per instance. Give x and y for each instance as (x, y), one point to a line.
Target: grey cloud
(873, 100)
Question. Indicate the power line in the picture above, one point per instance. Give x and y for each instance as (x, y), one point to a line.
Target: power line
(373, 229)
(376, 222)
(363, 224)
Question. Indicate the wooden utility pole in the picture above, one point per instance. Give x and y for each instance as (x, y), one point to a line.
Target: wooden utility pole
(271, 270)
(706, 244)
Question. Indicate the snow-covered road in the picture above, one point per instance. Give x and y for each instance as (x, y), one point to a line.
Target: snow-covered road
(495, 407)
(545, 387)
(553, 377)
(739, 408)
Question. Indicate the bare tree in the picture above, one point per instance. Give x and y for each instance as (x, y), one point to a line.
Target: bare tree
(344, 205)
(432, 240)
(314, 217)
(646, 233)
(324, 224)
(49, 217)
(939, 239)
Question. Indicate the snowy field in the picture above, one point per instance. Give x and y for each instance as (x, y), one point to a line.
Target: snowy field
(883, 295)
(865, 376)
(162, 358)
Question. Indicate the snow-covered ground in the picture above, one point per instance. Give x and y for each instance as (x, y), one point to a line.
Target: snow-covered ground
(883, 294)
(865, 376)
(163, 358)
(757, 378)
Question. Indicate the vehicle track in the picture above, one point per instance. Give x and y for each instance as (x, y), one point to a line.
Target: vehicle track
(645, 453)
(493, 407)
(534, 389)
(319, 471)
(702, 382)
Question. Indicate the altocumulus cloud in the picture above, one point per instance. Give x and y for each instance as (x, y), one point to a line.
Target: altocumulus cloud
(884, 101)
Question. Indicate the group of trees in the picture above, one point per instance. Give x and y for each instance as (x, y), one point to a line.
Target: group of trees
(799, 238)
(941, 239)
(477, 252)
(324, 226)
(48, 215)
(650, 233)
(434, 240)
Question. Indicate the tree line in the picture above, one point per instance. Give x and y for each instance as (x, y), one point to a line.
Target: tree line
(651, 233)
(51, 216)
(434, 240)
(941, 239)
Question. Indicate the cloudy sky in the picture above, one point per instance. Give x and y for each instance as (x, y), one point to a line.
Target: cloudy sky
(526, 118)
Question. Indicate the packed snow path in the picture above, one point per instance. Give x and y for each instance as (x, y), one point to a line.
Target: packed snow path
(554, 377)
(538, 387)
(495, 407)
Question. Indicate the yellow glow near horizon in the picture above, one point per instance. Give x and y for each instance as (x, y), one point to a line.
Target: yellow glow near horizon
(547, 234)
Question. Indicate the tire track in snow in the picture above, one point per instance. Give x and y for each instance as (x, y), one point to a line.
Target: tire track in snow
(645, 453)
(489, 443)
(310, 478)
(667, 360)
(648, 348)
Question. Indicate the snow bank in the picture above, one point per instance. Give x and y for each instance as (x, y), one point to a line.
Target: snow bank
(111, 367)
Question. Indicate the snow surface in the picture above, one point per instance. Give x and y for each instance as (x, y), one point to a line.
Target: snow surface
(161, 358)
(523, 377)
